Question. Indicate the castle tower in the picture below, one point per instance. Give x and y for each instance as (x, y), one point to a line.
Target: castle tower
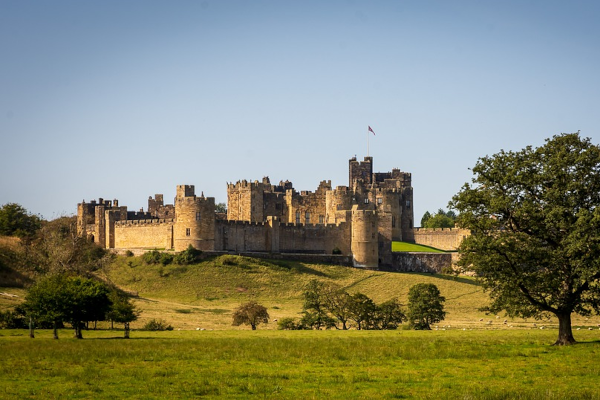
(245, 201)
(360, 171)
(194, 220)
(364, 244)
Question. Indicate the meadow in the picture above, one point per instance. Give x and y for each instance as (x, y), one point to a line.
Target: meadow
(450, 364)
(470, 355)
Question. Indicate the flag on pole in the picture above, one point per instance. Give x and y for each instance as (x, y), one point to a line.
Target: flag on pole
(371, 130)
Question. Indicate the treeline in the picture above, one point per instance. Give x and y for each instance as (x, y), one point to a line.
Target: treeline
(328, 306)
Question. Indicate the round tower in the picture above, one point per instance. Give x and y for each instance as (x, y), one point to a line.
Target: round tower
(364, 245)
(194, 220)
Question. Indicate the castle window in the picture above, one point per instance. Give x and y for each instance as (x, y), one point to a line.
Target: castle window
(393, 221)
(297, 217)
(307, 217)
(407, 203)
(379, 200)
(321, 219)
(198, 216)
(187, 232)
(366, 201)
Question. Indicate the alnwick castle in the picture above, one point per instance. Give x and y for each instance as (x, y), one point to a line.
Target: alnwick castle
(357, 222)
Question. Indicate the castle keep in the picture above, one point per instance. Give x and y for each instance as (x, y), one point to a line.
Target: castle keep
(359, 220)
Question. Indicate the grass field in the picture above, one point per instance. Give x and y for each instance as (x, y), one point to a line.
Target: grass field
(412, 247)
(300, 365)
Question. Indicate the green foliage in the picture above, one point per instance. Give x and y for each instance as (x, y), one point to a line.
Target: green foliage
(221, 208)
(157, 325)
(13, 319)
(250, 313)
(60, 249)
(388, 315)
(441, 219)
(288, 324)
(336, 250)
(16, 221)
(129, 253)
(326, 305)
(535, 221)
(73, 299)
(425, 306)
(188, 256)
(122, 310)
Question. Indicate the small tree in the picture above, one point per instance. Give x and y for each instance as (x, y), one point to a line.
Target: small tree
(250, 313)
(315, 307)
(389, 314)
(425, 306)
(16, 221)
(122, 311)
(362, 310)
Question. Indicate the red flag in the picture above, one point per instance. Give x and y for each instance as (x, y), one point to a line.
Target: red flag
(371, 130)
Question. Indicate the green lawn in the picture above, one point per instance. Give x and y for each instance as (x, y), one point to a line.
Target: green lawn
(412, 247)
(450, 364)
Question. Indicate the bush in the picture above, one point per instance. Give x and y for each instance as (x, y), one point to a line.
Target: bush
(157, 325)
(288, 324)
(129, 253)
(157, 257)
(336, 251)
(188, 256)
(12, 320)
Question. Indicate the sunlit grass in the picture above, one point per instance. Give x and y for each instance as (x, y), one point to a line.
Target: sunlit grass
(300, 364)
(401, 247)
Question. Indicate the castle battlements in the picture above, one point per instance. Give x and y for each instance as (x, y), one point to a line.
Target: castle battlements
(357, 219)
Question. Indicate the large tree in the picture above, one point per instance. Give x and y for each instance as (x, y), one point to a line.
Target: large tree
(534, 215)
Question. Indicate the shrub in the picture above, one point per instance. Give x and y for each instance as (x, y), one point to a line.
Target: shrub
(12, 320)
(336, 251)
(157, 257)
(188, 256)
(288, 324)
(157, 325)
(129, 253)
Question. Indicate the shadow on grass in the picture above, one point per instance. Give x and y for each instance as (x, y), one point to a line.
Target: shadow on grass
(451, 278)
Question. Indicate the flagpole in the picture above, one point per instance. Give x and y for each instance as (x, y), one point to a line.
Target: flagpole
(367, 142)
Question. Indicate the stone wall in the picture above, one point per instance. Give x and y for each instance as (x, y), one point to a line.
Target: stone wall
(441, 238)
(145, 234)
(420, 262)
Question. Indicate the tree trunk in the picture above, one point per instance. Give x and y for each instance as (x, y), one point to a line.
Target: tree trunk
(126, 329)
(253, 327)
(565, 333)
(55, 330)
(31, 335)
(77, 326)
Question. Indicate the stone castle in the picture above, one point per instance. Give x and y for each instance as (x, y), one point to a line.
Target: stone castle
(359, 220)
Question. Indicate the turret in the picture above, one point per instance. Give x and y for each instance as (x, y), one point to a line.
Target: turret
(194, 220)
(364, 245)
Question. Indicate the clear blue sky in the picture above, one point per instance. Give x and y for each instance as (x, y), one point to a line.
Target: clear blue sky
(125, 99)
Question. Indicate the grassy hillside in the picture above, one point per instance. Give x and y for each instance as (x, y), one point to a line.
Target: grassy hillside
(412, 247)
(204, 295)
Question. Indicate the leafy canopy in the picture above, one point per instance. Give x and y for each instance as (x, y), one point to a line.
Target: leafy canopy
(16, 221)
(250, 313)
(534, 215)
(441, 219)
(425, 306)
